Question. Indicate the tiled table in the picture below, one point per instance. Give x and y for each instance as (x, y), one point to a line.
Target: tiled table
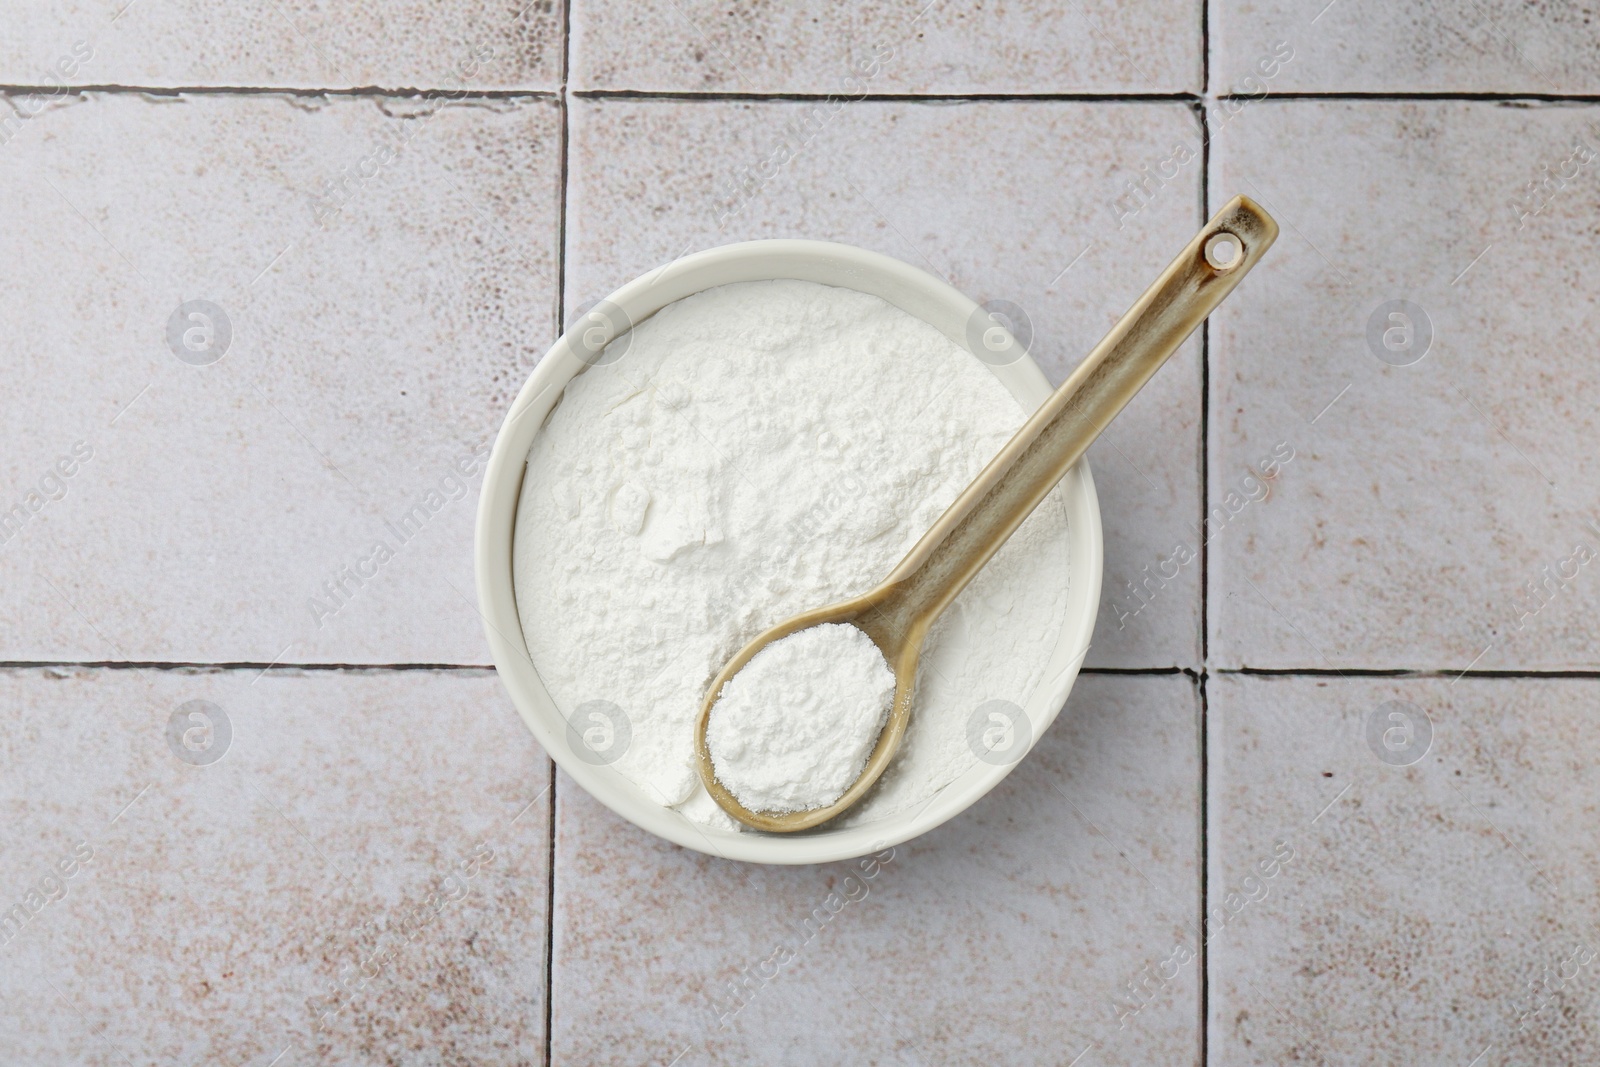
(1324, 796)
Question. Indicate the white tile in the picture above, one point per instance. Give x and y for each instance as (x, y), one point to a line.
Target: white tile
(405, 44)
(1422, 500)
(911, 46)
(1373, 46)
(1435, 889)
(388, 831)
(369, 352)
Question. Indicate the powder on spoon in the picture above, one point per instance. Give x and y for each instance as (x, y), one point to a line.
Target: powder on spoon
(758, 450)
(793, 729)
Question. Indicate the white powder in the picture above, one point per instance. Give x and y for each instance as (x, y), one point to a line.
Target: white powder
(793, 729)
(762, 449)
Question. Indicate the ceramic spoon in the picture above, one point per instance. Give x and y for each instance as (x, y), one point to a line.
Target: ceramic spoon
(897, 614)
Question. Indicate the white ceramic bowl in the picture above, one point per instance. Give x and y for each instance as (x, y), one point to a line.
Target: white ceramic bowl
(907, 288)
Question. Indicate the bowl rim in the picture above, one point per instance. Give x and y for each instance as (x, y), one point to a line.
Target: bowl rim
(847, 266)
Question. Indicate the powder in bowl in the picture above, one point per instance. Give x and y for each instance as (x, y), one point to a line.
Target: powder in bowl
(761, 449)
(793, 729)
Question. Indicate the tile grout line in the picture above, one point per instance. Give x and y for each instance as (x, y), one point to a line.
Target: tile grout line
(562, 92)
(1407, 672)
(1531, 674)
(1205, 556)
(550, 921)
(1202, 950)
(359, 91)
(682, 96)
(1463, 96)
(1182, 96)
(565, 105)
(238, 665)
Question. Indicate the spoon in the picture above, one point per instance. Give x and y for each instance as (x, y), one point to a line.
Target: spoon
(897, 614)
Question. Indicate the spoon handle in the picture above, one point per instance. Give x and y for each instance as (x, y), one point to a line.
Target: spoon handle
(990, 509)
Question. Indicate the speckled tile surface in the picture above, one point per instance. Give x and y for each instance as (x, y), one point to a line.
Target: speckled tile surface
(402, 44)
(1428, 900)
(912, 46)
(1497, 46)
(919, 182)
(1038, 908)
(322, 867)
(385, 274)
(273, 275)
(1439, 510)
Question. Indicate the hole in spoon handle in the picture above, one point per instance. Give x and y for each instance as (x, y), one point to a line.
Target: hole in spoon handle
(1223, 251)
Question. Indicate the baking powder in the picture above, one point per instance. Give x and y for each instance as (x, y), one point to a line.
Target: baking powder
(761, 449)
(793, 729)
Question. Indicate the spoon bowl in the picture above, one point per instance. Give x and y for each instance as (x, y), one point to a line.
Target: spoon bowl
(901, 650)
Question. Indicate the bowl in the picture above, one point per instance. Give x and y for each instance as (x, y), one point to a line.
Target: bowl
(584, 345)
